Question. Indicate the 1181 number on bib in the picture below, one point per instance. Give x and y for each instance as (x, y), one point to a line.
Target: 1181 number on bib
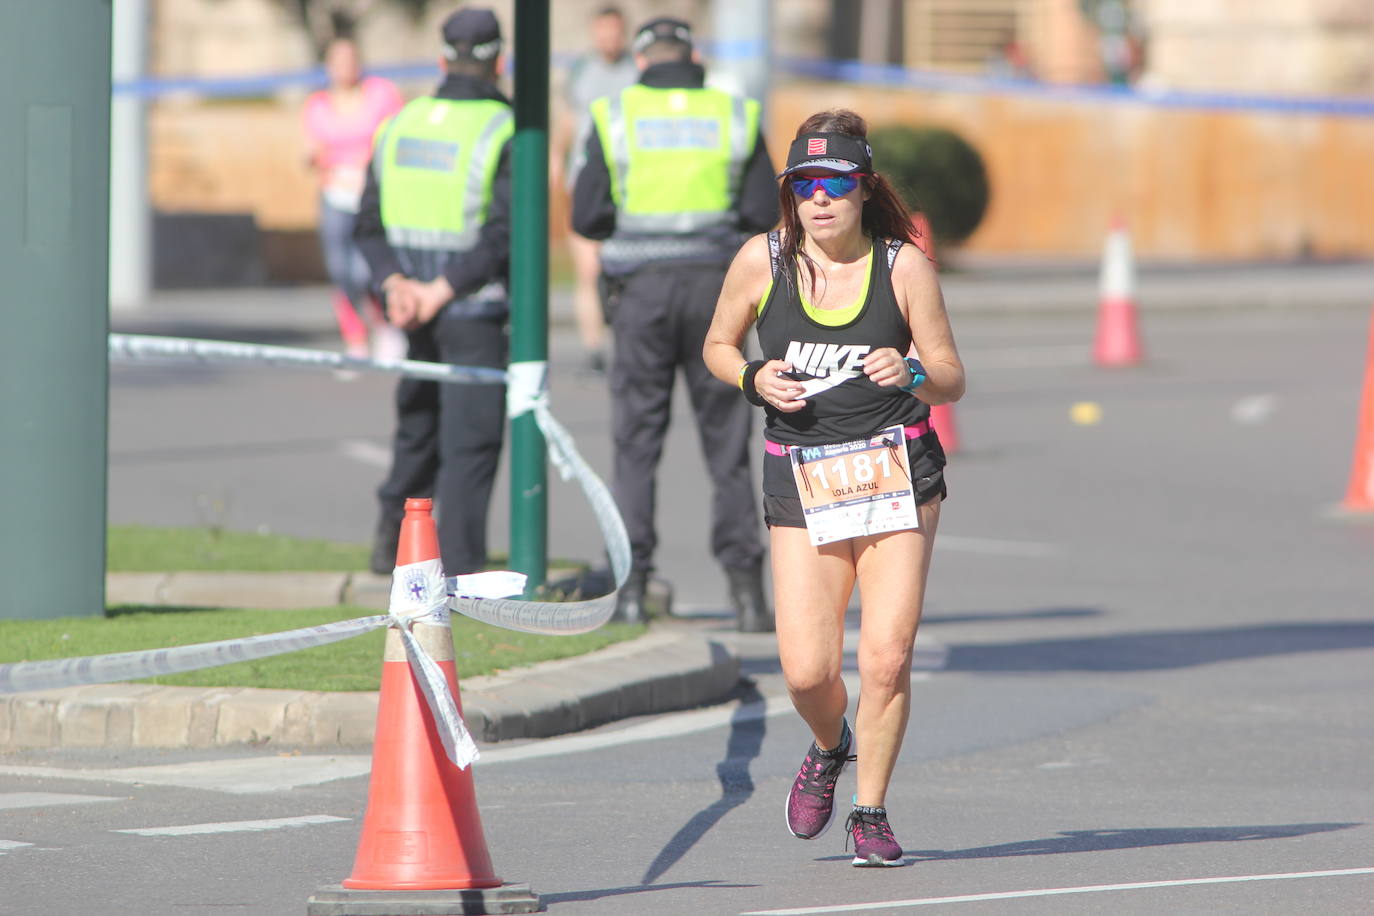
(854, 488)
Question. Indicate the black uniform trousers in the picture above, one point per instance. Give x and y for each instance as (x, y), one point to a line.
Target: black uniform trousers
(660, 323)
(448, 437)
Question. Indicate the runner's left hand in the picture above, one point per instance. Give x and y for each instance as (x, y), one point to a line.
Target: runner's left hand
(887, 368)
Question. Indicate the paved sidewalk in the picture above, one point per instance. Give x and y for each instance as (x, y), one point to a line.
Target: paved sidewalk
(675, 666)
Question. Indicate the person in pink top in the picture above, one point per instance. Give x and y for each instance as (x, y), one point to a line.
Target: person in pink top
(340, 122)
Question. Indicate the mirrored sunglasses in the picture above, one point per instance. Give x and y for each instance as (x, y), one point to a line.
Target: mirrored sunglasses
(835, 185)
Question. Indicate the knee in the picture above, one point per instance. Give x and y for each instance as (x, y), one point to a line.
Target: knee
(812, 680)
(885, 669)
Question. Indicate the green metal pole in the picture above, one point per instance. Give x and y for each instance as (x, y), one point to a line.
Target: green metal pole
(54, 244)
(529, 287)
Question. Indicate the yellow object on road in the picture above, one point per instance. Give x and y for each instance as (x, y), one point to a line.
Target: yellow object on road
(1086, 413)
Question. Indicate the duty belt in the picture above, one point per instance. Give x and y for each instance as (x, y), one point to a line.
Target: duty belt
(623, 255)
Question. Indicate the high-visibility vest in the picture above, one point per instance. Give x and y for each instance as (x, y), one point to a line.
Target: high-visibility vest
(676, 158)
(435, 164)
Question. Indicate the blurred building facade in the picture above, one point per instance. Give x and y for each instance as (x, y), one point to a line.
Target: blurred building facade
(1193, 182)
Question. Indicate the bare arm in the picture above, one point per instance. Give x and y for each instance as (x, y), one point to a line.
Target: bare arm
(736, 310)
(918, 295)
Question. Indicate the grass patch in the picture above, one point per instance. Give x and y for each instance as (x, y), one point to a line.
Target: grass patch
(138, 548)
(352, 664)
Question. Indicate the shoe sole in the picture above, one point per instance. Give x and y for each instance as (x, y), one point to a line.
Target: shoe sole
(786, 807)
(877, 861)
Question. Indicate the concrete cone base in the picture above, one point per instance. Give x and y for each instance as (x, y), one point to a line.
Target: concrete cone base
(337, 900)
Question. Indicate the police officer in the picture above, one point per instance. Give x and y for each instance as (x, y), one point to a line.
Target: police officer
(675, 177)
(434, 223)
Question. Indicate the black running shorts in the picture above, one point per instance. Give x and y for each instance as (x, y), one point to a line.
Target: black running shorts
(782, 506)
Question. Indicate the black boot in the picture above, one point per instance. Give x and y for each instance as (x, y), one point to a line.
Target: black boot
(629, 603)
(384, 545)
(746, 594)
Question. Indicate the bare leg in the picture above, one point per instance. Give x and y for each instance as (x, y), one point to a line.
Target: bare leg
(811, 589)
(892, 572)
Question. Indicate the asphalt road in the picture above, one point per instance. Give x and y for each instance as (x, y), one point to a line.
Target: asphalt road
(1159, 668)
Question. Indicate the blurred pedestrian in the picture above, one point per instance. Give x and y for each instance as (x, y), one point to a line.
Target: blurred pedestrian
(340, 122)
(838, 295)
(605, 70)
(435, 228)
(676, 176)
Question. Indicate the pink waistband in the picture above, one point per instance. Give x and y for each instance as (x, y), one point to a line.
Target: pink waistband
(912, 432)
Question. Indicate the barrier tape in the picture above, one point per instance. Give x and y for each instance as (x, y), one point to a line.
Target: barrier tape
(419, 591)
(412, 589)
(843, 71)
(419, 595)
(139, 347)
(127, 666)
(529, 394)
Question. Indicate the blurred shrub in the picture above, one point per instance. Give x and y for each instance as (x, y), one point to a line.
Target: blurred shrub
(937, 172)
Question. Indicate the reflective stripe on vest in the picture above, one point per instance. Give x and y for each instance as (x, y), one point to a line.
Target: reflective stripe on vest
(435, 164)
(675, 156)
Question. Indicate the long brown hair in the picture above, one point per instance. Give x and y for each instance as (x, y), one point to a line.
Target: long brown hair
(884, 213)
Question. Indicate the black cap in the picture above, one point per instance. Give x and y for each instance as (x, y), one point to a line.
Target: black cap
(664, 28)
(826, 149)
(472, 32)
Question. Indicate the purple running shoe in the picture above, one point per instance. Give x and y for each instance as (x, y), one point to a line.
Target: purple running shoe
(874, 844)
(811, 803)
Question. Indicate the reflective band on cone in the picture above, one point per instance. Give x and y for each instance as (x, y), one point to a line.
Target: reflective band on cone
(1117, 342)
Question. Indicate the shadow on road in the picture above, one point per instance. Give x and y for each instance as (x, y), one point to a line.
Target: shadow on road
(1048, 613)
(1103, 840)
(1152, 651)
(736, 785)
(573, 896)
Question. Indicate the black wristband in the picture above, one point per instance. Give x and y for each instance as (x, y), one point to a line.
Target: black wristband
(746, 383)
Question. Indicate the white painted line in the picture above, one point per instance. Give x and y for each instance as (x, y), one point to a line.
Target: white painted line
(369, 453)
(663, 727)
(1055, 891)
(276, 823)
(7, 845)
(243, 776)
(1253, 410)
(995, 546)
(44, 799)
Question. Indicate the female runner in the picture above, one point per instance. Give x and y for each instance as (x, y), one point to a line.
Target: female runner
(840, 297)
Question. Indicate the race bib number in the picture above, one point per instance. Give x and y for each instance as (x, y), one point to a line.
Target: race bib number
(855, 488)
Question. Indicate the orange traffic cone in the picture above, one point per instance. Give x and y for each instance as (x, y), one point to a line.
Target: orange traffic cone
(942, 419)
(1359, 497)
(422, 849)
(1118, 336)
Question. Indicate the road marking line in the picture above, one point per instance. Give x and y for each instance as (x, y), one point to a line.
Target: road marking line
(276, 823)
(6, 845)
(243, 776)
(365, 452)
(1054, 891)
(1253, 410)
(44, 799)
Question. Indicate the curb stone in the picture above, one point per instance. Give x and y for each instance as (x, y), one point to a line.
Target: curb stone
(667, 669)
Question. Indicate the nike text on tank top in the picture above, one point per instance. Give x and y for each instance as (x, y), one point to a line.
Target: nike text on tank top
(857, 406)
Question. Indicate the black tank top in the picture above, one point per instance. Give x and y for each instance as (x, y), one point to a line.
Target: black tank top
(857, 406)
